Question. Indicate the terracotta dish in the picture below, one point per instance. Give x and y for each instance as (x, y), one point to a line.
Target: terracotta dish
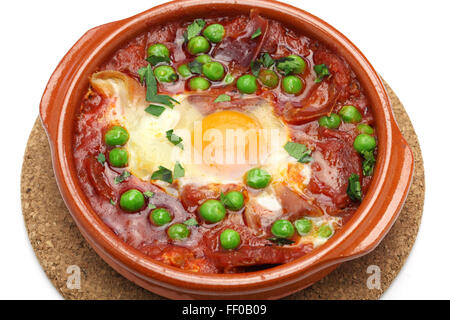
(222, 274)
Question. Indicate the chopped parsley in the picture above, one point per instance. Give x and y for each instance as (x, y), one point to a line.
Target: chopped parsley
(178, 171)
(298, 151)
(151, 206)
(191, 222)
(223, 98)
(155, 110)
(368, 163)
(267, 60)
(174, 139)
(321, 71)
(287, 65)
(162, 174)
(101, 158)
(148, 194)
(194, 29)
(112, 202)
(256, 34)
(255, 67)
(146, 76)
(122, 177)
(155, 60)
(163, 99)
(354, 188)
(281, 241)
(195, 67)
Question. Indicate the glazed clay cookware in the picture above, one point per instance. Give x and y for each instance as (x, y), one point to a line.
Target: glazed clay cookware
(362, 233)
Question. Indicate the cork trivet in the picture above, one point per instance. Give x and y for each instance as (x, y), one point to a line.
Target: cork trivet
(59, 245)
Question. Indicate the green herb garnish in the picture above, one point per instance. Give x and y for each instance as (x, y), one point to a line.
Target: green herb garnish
(354, 188)
(321, 71)
(151, 206)
(195, 67)
(267, 60)
(298, 151)
(191, 222)
(255, 67)
(194, 29)
(148, 194)
(101, 158)
(369, 163)
(287, 65)
(178, 171)
(112, 202)
(223, 98)
(257, 33)
(162, 174)
(122, 177)
(174, 139)
(146, 75)
(281, 241)
(155, 110)
(163, 99)
(155, 60)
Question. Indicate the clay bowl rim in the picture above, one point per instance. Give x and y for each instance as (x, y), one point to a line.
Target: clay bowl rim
(336, 250)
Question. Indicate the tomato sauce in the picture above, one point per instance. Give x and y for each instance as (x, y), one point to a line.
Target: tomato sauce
(334, 157)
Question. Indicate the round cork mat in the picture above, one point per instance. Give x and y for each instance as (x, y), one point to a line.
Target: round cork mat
(66, 256)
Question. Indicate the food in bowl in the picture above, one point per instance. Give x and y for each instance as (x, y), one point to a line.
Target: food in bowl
(225, 145)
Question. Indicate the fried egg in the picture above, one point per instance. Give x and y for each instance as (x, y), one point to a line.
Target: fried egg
(219, 147)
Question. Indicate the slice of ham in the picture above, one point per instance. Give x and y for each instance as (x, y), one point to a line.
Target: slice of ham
(335, 160)
(295, 205)
(239, 47)
(323, 97)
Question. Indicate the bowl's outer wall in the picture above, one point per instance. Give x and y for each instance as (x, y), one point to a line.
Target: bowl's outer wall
(361, 234)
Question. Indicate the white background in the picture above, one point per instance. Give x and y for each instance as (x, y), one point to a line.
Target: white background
(406, 41)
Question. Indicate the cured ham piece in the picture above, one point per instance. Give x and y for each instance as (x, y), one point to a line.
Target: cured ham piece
(239, 47)
(323, 97)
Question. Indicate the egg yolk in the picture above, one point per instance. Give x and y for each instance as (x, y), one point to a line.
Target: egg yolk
(230, 141)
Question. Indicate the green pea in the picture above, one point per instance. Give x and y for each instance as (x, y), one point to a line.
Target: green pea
(364, 142)
(214, 32)
(365, 128)
(247, 84)
(257, 178)
(298, 62)
(204, 58)
(160, 217)
(132, 200)
(268, 78)
(116, 136)
(333, 121)
(198, 45)
(165, 74)
(178, 231)
(230, 239)
(350, 114)
(212, 211)
(292, 84)
(234, 200)
(118, 157)
(158, 50)
(325, 231)
(213, 70)
(303, 226)
(184, 71)
(283, 229)
(199, 84)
